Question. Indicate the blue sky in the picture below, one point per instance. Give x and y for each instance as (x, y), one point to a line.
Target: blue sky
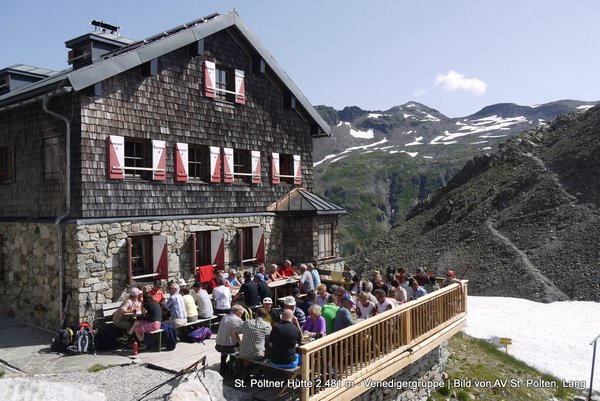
(455, 56)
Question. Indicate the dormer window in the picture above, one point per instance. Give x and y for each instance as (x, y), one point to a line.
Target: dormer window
(224, 83)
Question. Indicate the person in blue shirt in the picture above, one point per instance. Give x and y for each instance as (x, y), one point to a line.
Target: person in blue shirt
(315, 274)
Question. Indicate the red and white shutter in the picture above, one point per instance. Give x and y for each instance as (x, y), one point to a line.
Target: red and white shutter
(215, 164)
(258, 244)
(217, 248)
(297, 170)
(228, 165)
(255, 167)
(275, 168)
(210, 79)
(116, 157)
(181, 162)
(240, 87)
(160, 261)
(159, 160)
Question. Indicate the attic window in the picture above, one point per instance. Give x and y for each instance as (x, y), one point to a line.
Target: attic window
(4, 85)
(77, 56)
(149, 68)
(224, 83)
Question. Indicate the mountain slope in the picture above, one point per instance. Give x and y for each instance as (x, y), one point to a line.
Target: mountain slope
(379, 164)
(520, 222)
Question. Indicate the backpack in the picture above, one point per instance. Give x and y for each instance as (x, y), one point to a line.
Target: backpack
(62, 340)
(84, 340)
(105, 339)
(170, 335)
(200, 334)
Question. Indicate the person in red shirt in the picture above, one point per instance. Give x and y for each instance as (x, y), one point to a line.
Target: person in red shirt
(286, 270)
(157, 293)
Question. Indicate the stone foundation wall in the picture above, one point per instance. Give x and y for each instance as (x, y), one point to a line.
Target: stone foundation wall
(99, 251)
(30, 287)
(419, 379)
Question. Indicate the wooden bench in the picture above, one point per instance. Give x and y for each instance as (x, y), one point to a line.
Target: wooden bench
(201, 321)
(109, 309)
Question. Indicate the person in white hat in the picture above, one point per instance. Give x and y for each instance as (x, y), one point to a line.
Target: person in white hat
(272, 317)
(299, 317)
(122, 318)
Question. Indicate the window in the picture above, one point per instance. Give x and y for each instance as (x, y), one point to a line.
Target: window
(202, 249)
(199, 163)
(52, 158)
(224, 83)
(7, 164)
(286, 168)
(147, 258)
(242, 167)
(251, 246)
(325, 241)
(141, 255)
(137, 158)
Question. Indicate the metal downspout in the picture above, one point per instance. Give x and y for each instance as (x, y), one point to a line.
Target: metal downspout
(67, 210)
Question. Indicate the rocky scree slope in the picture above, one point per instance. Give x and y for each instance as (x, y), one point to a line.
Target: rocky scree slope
(523, 221)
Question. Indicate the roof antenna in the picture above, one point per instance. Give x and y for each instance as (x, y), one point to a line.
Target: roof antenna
(104, 26)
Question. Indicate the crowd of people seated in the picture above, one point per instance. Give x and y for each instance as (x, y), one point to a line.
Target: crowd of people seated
(146, 308)
(310, 311)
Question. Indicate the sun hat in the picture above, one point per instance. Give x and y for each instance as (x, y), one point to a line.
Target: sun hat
(134, 292)
(289, 301)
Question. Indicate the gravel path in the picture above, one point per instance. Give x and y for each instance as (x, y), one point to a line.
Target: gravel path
(117, 383)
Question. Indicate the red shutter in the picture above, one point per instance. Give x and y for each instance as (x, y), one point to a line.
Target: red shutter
(297, 170)
(159, 160)
(217, 248)
(129, 266)
(160, 262)
(275, 168)
(240, 246)
(227, 165)
(116, 157)
(181, 162)
(255, 167)
(210, 78)
(240, 87)
(194, 250)
(215, 164)
(258, 244)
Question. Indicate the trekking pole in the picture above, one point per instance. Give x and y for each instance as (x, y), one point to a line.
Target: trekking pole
(180, 373)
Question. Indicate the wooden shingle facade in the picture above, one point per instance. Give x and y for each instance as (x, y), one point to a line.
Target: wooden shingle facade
(178, 147)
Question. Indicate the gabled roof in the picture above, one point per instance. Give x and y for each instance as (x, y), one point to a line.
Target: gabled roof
(137, 53)
(302, 201)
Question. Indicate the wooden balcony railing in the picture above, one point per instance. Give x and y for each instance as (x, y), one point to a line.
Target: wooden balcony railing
(336, 365)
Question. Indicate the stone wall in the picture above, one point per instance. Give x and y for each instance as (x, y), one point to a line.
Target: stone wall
(416, 382)
(100, 253)
(30, 287)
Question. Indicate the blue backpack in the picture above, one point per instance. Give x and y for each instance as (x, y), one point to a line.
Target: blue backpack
(170, 335)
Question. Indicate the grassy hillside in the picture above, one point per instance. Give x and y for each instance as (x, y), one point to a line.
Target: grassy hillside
(379, 189)
(494, 375)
